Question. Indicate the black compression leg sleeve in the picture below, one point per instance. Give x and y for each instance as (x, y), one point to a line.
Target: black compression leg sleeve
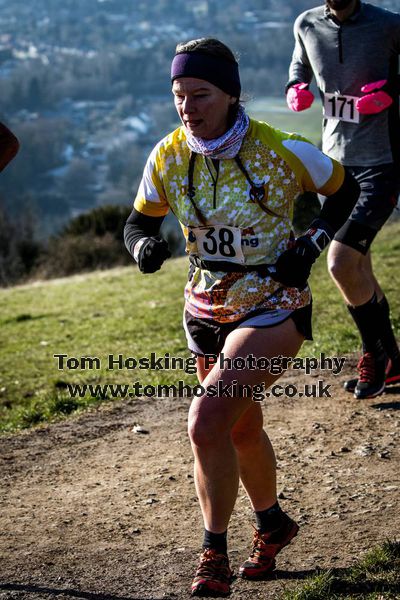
(388, 339)
(368, 318)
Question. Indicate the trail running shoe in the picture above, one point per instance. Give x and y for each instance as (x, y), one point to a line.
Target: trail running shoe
(350, 384)
(265, 547)
(371, 381)
(213, 576)
(392, 376)
(393, 372)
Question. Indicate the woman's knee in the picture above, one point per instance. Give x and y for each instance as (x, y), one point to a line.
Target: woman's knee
(245, 440)
(207, 430)
(248, 432)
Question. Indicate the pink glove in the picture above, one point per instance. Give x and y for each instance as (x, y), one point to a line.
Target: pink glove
(299, 97)
(375, 102)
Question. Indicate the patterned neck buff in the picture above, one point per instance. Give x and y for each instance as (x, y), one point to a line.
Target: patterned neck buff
(226, 146)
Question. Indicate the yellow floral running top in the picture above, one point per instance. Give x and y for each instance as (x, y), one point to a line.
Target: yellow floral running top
(234, 228)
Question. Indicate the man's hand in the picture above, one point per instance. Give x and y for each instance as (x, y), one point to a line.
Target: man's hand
(375, 101)
(151, 254)
(299, 97)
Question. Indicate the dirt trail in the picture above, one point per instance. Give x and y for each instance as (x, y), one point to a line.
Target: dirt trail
(89, 509)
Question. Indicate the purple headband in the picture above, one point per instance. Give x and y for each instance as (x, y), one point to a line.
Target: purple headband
(219, 71)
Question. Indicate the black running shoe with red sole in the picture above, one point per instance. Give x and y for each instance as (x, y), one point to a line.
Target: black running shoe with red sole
(392, 377)
(371, 381)
(392, 372)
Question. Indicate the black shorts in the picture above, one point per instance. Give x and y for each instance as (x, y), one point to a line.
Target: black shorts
(380, 187)
(207, 336)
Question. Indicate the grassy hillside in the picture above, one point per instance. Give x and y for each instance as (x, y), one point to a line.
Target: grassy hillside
(275, 111)
(123, 312)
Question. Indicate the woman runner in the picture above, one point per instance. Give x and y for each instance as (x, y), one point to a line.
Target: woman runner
(231, 181)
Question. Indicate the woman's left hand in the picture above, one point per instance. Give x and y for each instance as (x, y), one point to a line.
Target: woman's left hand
(293, 266)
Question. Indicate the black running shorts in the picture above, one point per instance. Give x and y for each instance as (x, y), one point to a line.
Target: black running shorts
(207, 336)
(380, 187)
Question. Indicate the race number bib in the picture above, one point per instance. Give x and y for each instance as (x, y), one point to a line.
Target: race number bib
(341, 107)
(219, 242)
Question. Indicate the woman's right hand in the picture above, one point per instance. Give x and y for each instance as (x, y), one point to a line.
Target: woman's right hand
(152, 253)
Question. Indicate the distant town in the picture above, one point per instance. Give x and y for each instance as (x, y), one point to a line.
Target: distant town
(85, 86)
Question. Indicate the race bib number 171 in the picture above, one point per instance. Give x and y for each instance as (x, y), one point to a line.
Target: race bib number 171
(341, 107)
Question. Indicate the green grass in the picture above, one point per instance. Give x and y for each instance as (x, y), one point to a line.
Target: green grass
(374, 577)
(114, 312)
(123, 312)
(275, 111)
(334, 330)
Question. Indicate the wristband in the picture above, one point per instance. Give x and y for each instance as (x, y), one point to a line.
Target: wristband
(320, 234)
(319, 238)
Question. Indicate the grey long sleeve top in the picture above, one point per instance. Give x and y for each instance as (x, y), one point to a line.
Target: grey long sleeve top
(343, 57)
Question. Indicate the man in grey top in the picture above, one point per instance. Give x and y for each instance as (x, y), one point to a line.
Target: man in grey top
(352, 49)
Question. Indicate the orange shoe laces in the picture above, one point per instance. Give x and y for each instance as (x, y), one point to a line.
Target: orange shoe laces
(213, 565)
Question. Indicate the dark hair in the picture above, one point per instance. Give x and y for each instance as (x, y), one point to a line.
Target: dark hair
(208, 46)
(213, 47)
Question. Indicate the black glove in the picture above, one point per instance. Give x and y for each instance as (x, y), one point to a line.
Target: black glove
(152, 254)
(293, 266)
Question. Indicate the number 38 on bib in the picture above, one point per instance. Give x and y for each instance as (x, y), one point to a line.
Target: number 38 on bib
(219, 242)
